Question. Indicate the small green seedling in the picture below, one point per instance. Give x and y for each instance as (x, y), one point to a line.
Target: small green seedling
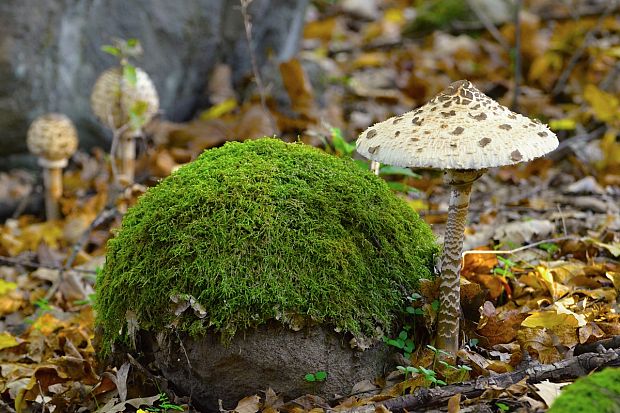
(436, 353)
(164, 405)
(505, 268)
(403, 342)
(503, 407)
(319, 376)
(407, 371)
(431, 376)
(43, 304)
(90, 300)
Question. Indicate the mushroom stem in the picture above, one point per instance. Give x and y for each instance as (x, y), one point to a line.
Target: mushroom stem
(460, 182)
(52, 181)
(127, 157)
(374, 167)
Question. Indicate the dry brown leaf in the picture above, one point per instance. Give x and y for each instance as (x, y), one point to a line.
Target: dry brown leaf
(454, 403)
(298, 88)
(537, 341)
(250, 404)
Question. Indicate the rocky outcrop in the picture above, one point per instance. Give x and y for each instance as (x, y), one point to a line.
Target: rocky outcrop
(50, 53)
(271, 356)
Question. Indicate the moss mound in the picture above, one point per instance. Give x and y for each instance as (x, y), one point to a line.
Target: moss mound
(264, 230)
(599, 392)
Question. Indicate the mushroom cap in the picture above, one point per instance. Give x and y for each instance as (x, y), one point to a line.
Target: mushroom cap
(460, 128)
(52, 136)
(113, 97)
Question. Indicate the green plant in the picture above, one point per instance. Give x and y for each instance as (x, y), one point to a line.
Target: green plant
(405, 339)
(409, 370)
(163, 405)
(505, 268)
(264, 230)
(436, 353)
(502, 407)
(124, 50)
(403, 342)
(319, 376)
(90, 300)
(462, 368)
(431, 376)
(43, 304)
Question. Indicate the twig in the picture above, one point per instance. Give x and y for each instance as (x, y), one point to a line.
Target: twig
(517, 55)
(525, 247)
(563, 221)
(608, 343)
(32, 264)
(103, 216)
(568, 369)
(488, 24)
(589, 38)
(247, 23)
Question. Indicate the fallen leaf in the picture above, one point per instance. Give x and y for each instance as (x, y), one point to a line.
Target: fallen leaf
(553, 317)
(549, 391)
(454, 403)
(7, 340)
(250, 404)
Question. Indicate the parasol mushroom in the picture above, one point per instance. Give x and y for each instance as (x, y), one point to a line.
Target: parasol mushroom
(53, 139)
(463, 132)
(115, 99)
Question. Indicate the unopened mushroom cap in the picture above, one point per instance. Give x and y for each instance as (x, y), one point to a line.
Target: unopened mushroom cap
(53, 137)
(113, 97)
(460, 128)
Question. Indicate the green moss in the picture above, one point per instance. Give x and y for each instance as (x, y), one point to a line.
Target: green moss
(264, 230)
(599, 392)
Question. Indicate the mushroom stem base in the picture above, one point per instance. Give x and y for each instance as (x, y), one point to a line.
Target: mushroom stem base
(52, 180)
(127, 157)
(450, 290)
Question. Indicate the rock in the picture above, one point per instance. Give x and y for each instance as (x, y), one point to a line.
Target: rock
(254, 234)
(271, 356)
(50, 53)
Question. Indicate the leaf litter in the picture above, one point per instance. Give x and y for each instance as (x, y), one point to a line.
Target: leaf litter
(541, 270)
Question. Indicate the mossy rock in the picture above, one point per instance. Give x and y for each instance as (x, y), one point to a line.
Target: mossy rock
(599, 392)
(259, 231)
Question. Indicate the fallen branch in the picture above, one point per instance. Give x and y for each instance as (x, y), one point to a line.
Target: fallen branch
(608, 343)
(563, 370)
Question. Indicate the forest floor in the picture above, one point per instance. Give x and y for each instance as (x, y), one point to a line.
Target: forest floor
(542, 250)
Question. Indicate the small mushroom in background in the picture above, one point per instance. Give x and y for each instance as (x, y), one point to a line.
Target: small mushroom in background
(124, 105)
(53, 139)
(463, 132)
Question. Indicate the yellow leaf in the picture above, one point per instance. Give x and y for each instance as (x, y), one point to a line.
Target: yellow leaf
(605, 105)
(7, 340)
(370, 59)
(611, 149)
(554, 317)
(219, 110)
(6, 286)
(395, 15)
(562, 124)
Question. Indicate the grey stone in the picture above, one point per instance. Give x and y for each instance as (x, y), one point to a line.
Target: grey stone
(50, 53)
(269, 356)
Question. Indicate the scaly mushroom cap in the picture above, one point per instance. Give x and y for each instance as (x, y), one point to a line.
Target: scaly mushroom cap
(52, 137)
(113, 97)
(460, 128)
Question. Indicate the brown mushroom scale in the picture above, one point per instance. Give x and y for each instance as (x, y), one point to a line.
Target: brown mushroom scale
(463, 132)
